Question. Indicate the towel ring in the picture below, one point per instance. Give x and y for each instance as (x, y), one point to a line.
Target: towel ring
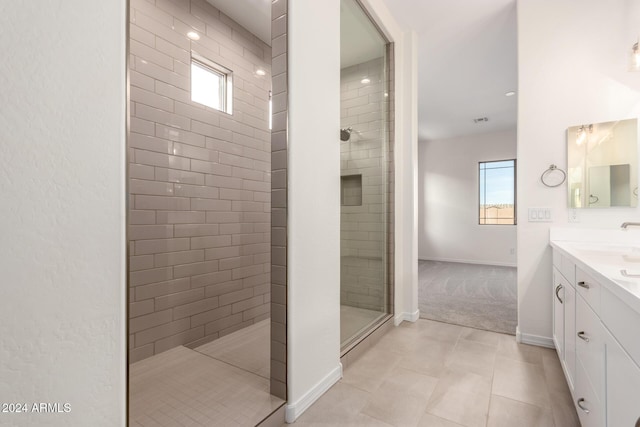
(549, 172)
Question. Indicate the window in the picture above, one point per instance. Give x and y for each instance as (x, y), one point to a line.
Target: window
(498, 192)
(211, 84)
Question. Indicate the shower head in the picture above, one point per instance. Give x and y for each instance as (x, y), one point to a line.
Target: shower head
(345, 134)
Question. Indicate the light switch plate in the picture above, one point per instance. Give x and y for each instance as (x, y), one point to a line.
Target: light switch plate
(540, 215)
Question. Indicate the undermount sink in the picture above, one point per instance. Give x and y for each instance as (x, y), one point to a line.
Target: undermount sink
(631, 257)
(610, 253)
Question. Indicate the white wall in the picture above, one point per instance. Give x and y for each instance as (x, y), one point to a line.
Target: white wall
(572, 69)
(62, 252)
(314, 192)
(313, 318)
(406, 161)
(448, 227)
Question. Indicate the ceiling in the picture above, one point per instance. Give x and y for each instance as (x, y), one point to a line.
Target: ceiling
(467, 61)
(360, 40)
(467, 58)
(254, 15)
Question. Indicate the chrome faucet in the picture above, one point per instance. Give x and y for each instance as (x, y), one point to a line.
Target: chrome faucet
(627, 224)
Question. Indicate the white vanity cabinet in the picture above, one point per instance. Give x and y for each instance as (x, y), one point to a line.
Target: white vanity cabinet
(589, 392)
(597, 337)
(564, 317)
(623, 386)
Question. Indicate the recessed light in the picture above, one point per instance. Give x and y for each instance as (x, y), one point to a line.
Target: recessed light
(510, 93)
(193, 35)
(365, 81)
(261, 72)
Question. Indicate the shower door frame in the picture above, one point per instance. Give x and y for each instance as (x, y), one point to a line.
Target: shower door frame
(384, 321)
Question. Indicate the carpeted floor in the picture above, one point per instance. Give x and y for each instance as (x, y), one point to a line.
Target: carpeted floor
(479, 296)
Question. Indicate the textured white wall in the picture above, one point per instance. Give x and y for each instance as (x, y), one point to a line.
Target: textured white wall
(405, 161)
(448, 227)
(62, 252)
(313, 320)
(314, 191)
(572, 69)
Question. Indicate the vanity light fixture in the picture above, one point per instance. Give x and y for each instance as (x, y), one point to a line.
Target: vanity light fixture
(365, 81)
(582, 133)
(193, 35)
(510, 93)
(261, 72)
(634, 58)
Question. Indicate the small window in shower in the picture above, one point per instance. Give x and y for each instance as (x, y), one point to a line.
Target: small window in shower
(211, 84)
(351, 190)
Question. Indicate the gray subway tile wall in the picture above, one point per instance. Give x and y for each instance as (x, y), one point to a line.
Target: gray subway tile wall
(365, 159)
(199, 179)
(278, 366)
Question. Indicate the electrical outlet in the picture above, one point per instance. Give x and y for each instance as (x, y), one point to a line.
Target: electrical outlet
(573, 215)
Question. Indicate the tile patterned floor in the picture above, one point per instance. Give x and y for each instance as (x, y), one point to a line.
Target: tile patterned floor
(479, 296)
(440, 375)
(222, 383)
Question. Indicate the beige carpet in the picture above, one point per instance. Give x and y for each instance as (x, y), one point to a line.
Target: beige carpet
(478, 296)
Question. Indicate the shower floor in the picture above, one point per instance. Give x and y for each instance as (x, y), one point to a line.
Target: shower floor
(221, 383)
(354, 321)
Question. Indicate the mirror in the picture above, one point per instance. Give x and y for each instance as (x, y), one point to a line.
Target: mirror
(603, 164)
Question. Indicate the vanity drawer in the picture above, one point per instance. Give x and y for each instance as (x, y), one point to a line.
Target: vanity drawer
(557, 258)
(588, 288)
(568, 269)
(622, 321)
(590, 345)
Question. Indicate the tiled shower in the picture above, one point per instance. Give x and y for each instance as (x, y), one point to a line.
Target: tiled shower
(201, 341)
(366, 155)
(199, 180)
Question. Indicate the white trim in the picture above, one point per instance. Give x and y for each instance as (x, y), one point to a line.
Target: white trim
(534, 339)
(294, 410)
(406, 317)
(469, 261)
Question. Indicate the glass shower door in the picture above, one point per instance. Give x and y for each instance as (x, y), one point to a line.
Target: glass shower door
(365, 170)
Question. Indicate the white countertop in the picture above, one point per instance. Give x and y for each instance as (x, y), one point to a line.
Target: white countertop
(610, 256)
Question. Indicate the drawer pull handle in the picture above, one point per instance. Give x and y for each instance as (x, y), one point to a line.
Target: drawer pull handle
(582, 337)
(584, 285)
(580, 401)
(558, 296)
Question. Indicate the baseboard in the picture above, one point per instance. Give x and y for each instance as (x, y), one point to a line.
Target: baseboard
(406, 317)
(470, 261)
(534, 339)
(297, 408)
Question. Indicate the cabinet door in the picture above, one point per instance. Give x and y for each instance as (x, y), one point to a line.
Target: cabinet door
(558, 313)
(589, 408)
(623, 387)
(570, 335)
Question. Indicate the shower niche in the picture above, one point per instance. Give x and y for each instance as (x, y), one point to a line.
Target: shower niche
(351, 190)
(366, 155)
